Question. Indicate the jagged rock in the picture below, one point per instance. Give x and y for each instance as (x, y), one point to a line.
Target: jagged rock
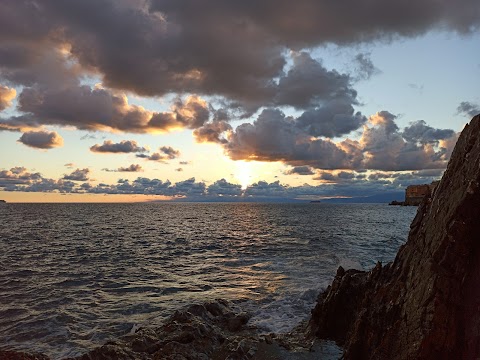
(203, 331)
(214, 330)
(426, 304)
(18, 355)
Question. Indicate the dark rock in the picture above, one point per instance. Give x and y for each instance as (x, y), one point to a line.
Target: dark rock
(426, 304)
(18, 355)
(213, 330)
(236, 322)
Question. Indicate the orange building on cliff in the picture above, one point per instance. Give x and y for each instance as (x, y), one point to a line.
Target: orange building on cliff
(414, 194)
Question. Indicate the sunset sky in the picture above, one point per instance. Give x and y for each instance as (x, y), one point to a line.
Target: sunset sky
(138, 100)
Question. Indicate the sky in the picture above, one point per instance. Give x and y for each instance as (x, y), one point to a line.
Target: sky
(222, 100)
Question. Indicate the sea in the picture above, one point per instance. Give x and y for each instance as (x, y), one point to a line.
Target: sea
(73, 276)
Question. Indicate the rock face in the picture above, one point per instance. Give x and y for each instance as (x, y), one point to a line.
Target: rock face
(426, 304)
(204, 331)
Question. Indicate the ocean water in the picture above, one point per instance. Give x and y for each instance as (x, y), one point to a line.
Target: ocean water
(73, 276)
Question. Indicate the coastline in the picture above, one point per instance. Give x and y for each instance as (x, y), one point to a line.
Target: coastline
(423, 305)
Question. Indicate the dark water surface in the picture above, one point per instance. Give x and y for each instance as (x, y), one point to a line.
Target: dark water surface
(73, 276)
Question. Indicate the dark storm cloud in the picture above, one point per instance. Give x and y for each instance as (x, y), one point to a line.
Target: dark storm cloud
(300, 170)
(78, 175)
(124, 146)
(164, 46)
(469, 109)
(41, 139)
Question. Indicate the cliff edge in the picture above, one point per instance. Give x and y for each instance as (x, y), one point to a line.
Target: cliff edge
(426, 304)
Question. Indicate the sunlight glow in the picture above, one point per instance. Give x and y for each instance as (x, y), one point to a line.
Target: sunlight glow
(243, 173)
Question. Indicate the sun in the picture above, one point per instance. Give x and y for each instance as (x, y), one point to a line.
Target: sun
(243, 173)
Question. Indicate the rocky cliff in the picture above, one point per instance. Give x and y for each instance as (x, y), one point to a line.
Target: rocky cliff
(426, 304)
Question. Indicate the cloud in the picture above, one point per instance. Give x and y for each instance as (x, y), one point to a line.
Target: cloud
(19, 179)
(365, 68)
(6, 96)
(101, 109)
(174, 47)
(419, 146)
(420, 132)
(339, 177)
(223, 188)
(124, 146)
(193, 113)
(88, 137)
(382, 145)
(240, 56)
(78, 175)
(170, 152)
(469, 109)
(212, 132)
(165, 47)
(308, 83)
(300, 170)
(333, 184)
(17, 175)
(69, 165)
(417, 87)
(333, 119)
(265, 189)
(41, 139)
(165, 153)
(131, 168)
(276, 137)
